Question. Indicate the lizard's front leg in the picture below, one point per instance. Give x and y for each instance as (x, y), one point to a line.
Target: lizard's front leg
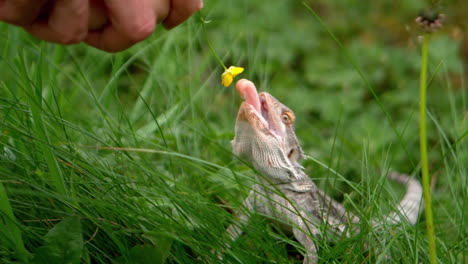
(235, 229)
(303, 227)
(277, 206)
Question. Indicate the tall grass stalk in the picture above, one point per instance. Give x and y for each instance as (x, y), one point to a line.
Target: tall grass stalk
(9, 229)
(423, 149)
(33, 90)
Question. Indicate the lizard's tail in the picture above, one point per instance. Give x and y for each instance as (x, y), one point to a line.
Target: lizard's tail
(410, 206)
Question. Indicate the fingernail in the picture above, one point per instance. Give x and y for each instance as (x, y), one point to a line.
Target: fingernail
(200, 5)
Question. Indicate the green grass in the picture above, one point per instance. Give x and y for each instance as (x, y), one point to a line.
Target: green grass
(126, 158)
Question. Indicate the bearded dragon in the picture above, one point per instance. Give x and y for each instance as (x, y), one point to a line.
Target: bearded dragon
(264, 136)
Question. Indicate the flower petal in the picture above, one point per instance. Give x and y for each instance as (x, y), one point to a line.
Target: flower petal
(226, 78)
(234, 70)
(229, 74)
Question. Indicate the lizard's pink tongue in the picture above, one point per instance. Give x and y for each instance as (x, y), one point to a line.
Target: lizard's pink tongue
(248, 91)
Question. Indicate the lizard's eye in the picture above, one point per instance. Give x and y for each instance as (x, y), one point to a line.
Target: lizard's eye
(287, 118)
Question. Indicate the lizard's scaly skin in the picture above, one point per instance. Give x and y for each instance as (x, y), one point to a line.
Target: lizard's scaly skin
(265, 136)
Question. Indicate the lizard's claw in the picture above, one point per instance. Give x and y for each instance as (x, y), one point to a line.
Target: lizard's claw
(298, 174)
(301, 186)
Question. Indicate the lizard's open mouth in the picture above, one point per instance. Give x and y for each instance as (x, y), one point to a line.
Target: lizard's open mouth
(263, 107)
(259, 103)
(265, 113)
(269, 115)
(270, 120)
(248, 91)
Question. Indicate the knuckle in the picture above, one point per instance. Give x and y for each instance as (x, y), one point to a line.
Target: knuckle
(79, 11)
(140, 31)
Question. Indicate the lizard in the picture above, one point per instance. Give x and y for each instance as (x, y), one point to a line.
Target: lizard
(265, 137)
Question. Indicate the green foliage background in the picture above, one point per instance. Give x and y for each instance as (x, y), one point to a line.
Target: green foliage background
(125, 157)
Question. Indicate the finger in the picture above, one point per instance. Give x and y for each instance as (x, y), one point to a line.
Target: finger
(109, 39)
(67, 23)
(131, 21)
(20, 12)
(135, 19)
(180, 11)
(98, 17)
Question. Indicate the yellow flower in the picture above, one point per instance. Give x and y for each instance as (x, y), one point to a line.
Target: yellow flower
(228, 75)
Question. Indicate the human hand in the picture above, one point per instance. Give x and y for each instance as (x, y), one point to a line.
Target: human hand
(132, 21)
(110, 25)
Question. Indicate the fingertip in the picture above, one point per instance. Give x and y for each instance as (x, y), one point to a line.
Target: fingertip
(180, 11)
(95, 39)
(130, 22)
(109, 40)
(140, 31)
(66, 23)
(92, 39)
(20, 13)
(42, 30)
(169, 24)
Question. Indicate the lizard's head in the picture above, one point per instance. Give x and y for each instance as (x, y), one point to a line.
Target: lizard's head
(264, 132)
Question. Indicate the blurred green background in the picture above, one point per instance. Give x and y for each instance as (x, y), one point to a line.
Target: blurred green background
(125, 158)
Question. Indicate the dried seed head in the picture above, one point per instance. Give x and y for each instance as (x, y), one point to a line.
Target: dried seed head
(430, 21)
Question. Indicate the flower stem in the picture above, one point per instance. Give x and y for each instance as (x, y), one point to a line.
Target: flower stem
(209, 43)
(423, 150)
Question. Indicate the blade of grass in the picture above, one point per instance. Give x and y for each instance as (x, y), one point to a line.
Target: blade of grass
(109, 90)
(9, 228)
(33, 90)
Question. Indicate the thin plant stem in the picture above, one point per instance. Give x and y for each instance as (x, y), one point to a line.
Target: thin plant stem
(209, 43)
(423, 150)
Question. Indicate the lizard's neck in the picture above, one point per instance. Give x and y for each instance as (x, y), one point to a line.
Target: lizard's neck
(299, 182)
